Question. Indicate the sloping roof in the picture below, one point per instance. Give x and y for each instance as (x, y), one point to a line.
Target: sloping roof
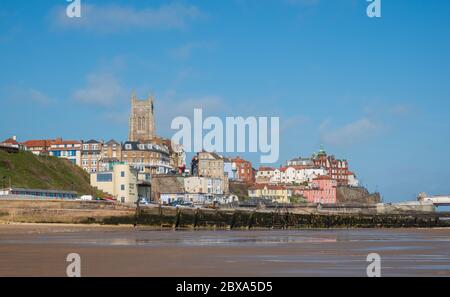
(58, 142)
(10, 141)
(92, 141)
(112, 141)
(266, 169)
(38, 143)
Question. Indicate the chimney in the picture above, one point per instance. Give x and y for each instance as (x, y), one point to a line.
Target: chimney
(14, 138)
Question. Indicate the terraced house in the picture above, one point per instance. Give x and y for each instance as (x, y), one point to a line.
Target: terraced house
(276, 193)
(67, 149)
(147, 157)
(91, 155)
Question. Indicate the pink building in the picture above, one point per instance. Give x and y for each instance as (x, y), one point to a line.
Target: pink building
(322, 190)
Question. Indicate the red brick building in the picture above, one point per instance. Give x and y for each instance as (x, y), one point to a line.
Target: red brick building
(336, 169)
(244, 170)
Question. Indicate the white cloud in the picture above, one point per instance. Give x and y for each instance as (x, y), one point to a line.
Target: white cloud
(350, 134)
(185, 51)
(101, 89)
(171, 105)
(400, 109)
(19, 94)
(38, 96)
(113, 18)
(293, 124)
(117, 117)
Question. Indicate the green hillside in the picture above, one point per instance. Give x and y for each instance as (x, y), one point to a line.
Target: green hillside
(26, 170)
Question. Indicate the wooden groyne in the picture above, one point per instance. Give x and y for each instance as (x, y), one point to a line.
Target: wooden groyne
(76, 212)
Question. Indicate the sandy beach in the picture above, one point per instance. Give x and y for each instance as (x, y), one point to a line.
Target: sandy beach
(41, 250)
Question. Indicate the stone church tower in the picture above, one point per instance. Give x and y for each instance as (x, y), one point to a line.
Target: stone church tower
(142, 120)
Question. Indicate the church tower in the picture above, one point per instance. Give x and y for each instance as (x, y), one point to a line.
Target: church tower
(142, 119)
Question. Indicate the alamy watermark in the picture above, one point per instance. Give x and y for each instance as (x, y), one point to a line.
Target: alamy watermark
(73, 9)
(374, 9)
(74, 267)
(374, 267)
(231, 136)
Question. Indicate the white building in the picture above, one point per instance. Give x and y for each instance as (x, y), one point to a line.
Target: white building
(352, 180)
(289, 175)
(66, 149)
(203, 185)
(264, 175)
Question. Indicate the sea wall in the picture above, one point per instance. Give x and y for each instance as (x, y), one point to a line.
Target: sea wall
(78, 212)
(64, 211)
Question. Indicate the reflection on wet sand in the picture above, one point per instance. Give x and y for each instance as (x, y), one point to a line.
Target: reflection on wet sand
(39, 250)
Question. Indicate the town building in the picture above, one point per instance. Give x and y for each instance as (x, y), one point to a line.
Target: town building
(67, 149)
(167, 189)
(290, 175)
(111, 154)
(244, 170)
(91, 154)
(352, 180)
(264, 175)
(228, 169)
(300, 162)
(211, 165)
(121, 183)
(11, 145)
(204, 185)
(296, 174)
(170, 189)
(336, 169)
(39, 193)
(276, 193)
(111, 150)
(147, 157)
(142, 121)
(177, 156)
(322, 190)
(38, 147)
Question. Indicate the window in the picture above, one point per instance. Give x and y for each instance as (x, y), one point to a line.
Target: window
(122, 173)
(122, 187)
(104, 177)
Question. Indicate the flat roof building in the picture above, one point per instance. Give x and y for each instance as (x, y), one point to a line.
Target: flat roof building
(39, 193)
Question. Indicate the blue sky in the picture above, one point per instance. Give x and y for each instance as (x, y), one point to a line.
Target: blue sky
(373, 91)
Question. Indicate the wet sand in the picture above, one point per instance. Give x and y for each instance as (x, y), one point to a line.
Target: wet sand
(41, 250)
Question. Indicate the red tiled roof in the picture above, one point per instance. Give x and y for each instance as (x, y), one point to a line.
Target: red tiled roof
(10, 141)
(58, 142)
(300, 167)
(266, 169)
(37, 143)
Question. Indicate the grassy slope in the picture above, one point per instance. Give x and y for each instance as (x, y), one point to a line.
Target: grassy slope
(29, 171)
